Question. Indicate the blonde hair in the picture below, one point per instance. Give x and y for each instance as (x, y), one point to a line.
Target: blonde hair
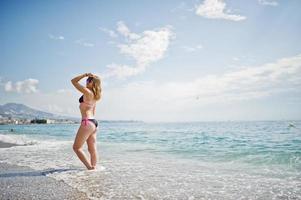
(96, 88)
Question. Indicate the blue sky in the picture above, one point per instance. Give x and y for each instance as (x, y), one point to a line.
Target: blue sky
(159, 60)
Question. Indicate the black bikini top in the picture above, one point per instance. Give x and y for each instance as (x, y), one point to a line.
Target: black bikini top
(81, 99)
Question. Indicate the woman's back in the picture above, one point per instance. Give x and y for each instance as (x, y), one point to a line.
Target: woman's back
(87, 108)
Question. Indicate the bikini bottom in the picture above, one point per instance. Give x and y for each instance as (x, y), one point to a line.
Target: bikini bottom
(94, 121)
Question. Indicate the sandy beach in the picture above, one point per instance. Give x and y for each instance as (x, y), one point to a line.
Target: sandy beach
(6, 145)
(18, 182)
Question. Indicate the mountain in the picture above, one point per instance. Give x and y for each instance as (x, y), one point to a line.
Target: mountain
(22, 111)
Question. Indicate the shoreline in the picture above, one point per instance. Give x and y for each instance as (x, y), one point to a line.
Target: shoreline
(20, 182)
(7, 145)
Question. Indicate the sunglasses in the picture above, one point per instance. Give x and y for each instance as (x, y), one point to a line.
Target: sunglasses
(89, 79)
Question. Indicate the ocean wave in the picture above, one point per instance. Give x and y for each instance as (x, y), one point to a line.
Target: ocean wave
(17, 139)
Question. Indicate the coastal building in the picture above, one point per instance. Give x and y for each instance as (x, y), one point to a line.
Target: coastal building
(50, 121)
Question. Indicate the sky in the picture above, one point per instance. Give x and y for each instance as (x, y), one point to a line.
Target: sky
(171, 60)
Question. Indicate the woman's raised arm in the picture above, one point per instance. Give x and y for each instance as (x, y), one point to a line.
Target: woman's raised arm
(79, 87)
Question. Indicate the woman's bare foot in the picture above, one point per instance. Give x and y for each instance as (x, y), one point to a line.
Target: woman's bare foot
(92, 168)
(89, 167)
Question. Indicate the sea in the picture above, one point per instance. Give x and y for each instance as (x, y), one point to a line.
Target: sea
(168, 160)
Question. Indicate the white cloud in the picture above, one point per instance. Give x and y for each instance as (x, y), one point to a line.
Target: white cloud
(56, 37)
(216, 9)
(235, 59)
(83, 43)
(8, 86)
(268, 2)
(150, 47)
(111, 33)
(170, 98)
(144, 49)
(251, 81)
(202, 98)
(193, 48)
(26, 86)
(122, 71)
(124, 30)
(64, 91)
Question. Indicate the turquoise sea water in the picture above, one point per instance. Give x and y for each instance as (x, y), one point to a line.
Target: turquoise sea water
(263, 142)
(269, 148)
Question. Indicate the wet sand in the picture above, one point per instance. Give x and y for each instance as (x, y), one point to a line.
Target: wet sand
(18, 182)
(6, 145)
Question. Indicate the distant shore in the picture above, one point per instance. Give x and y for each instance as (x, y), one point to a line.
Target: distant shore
(28, 121)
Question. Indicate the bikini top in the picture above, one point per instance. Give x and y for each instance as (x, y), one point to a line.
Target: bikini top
(81, 100)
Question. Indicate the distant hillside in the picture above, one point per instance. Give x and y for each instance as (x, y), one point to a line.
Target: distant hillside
(22, 111)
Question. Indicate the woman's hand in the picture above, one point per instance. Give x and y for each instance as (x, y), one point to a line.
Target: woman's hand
(89, 74)
(78, 78)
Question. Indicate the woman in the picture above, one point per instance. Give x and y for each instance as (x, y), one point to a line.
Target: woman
(88, 127)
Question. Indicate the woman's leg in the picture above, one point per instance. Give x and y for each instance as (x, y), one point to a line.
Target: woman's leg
(91, 142)
(82, 135)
